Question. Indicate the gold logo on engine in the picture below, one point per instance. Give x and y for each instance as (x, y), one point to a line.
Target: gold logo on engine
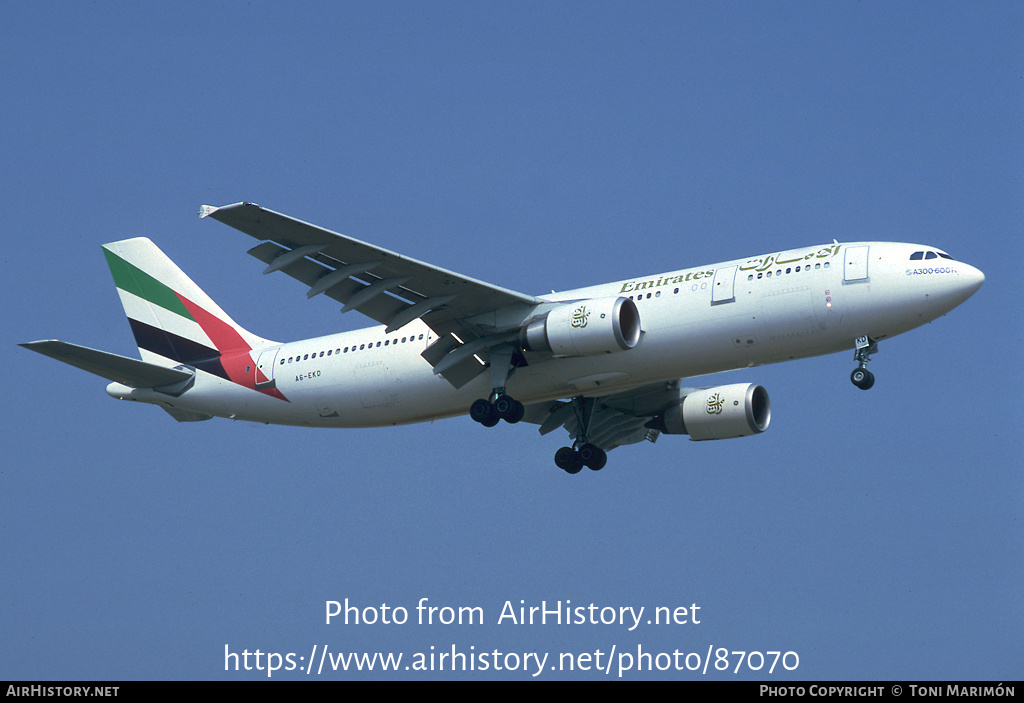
(579, 317)
(715, 404)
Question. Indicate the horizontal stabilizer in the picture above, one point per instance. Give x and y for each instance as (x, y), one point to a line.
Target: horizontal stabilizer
(185, 415)
(113, 367)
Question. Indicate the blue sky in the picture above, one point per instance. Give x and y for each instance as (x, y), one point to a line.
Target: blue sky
(538, 146)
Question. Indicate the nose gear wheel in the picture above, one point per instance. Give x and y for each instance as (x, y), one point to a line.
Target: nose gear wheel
(861, 377)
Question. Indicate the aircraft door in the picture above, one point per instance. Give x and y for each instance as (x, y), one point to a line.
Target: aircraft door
(855, 268)
(723, 288)
(265, 369)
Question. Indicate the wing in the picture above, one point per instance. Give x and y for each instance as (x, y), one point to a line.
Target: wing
(388, 287)
(610, 420)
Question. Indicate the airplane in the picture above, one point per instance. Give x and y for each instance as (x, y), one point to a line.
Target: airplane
(607, 362)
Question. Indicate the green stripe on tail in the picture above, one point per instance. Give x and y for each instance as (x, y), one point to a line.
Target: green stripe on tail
(134, 280)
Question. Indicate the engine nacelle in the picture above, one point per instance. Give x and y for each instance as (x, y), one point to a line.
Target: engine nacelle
(586, 327)
(722, 412)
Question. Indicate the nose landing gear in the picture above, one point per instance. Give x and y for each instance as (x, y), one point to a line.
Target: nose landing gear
(861, 377)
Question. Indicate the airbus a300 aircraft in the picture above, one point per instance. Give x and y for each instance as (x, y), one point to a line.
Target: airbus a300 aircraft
(608, 362)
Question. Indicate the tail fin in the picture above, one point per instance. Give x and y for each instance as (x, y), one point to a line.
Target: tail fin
(171, 317)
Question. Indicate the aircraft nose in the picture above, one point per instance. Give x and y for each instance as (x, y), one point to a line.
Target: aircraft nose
(971, 279)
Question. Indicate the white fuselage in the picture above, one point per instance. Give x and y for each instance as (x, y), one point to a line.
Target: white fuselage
(748, 312)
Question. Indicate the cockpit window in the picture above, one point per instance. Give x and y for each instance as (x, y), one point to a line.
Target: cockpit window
(918, 255)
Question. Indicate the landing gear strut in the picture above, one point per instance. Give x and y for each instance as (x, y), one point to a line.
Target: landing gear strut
(582, 452)
(499, 405)
(861, 377)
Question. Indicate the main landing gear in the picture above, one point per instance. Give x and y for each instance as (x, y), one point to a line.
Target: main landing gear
(572, 460)
(498, 406)
(501, 406)
(582, 452)
(861, 377)
(504, 407)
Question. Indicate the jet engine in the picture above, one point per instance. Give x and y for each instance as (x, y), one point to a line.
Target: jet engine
(722, 412)
(584, 328)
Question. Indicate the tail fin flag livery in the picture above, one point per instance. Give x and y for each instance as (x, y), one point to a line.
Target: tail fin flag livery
(159, 298)
(607, 363)
(175, 323)
(174, 320)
